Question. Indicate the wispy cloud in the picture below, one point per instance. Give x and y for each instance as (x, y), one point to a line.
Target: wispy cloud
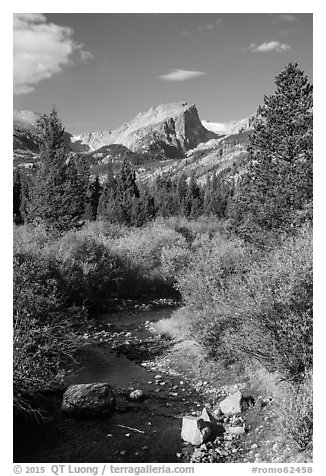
(204, 27)
(181, 75)
(269, 46)
(285, 17)
(41, 49)
(209, 26)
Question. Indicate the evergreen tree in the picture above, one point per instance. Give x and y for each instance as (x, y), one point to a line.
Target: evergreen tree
(276, 193)
(93, 194)
(146, 207)
(17, 197)
(193, 199)
(107, 203)
(55, 190)
(182, 192)
(127, 194)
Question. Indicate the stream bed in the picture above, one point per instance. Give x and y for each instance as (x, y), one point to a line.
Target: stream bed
(119, 353)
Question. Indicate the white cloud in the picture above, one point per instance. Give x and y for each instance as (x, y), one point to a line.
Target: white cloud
(209, 26)
(41, 49)
(181, 75)
(287, 17)
(269, 46)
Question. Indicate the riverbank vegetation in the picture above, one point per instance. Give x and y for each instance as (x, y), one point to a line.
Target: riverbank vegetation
(240, 264)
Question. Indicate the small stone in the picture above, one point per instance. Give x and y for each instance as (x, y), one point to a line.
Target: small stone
(275, 447)
(145, 448)
(137, 395)
(127, 435)
(254, 446)
(109, 435)
(257, 455)
(236, 430)
(234, 450)
(158, 377)
(123, 452)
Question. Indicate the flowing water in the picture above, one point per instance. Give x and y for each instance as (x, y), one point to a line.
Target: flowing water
(157, 419)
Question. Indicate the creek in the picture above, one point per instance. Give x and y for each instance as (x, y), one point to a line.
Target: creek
(119, 353)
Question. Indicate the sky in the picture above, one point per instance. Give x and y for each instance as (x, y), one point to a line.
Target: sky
(101, 69)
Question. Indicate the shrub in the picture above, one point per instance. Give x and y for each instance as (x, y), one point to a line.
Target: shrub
(294, 415)
(87, 269)
(272, 308)
(43, 330)
(242, 302)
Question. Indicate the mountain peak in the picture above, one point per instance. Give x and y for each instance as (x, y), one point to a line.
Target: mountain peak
(169, 128)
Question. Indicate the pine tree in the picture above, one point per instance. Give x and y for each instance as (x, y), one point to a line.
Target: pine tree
(55, 190)
(193, 198)
(93, 194)
(127, 194)
(182, 192)
(17, 197)
(276, 192)
(107, 203)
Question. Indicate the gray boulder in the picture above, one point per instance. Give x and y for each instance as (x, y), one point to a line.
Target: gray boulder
(91, 399)
(190, 431)
(232, 404)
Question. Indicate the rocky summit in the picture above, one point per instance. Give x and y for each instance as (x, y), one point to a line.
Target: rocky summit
(171, 129)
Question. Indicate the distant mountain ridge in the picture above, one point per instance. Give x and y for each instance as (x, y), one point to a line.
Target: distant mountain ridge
(171, 128)
(167, 139)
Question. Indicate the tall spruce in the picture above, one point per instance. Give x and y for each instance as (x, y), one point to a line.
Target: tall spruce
(17, 197)
(107, 203)
(127, 195)
(55, 194)
(276, 192)
(93, 194)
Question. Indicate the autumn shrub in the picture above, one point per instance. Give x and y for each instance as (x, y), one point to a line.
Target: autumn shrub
(44, 330)
(87, 269)
(271, 308)
(141, 251)
(294, 415)
(244, 302)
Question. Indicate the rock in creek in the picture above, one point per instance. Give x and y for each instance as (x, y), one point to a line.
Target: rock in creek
(91, 399)
(137, 395)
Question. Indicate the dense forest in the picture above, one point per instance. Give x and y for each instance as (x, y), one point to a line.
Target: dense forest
(237, 254)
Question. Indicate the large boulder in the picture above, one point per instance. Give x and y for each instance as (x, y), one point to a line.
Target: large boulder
(190, 431)
(236, 403)
(232, 404)
(90, 399)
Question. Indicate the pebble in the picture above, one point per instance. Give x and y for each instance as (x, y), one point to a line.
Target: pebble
(158, 377)
(123, 452)
(127, 435)
(145, 448)
(254, 446)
